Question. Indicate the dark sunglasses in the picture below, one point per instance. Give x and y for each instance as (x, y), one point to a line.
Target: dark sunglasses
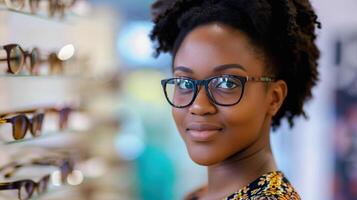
(26, 188)
(21, 124)
(65, 165)
(63, 113)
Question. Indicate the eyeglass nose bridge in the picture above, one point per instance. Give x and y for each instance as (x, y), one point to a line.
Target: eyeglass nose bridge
(203, 83)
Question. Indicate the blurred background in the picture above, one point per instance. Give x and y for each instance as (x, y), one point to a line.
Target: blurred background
(120, 135)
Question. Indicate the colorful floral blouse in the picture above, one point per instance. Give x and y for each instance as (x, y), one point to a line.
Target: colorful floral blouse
(270, 186)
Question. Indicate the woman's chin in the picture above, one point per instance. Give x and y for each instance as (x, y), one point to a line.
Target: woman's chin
(204, 159)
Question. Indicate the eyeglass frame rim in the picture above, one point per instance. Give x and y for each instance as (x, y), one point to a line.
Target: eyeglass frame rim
(205, 82)
(66, 165)
(27, 55)
(29, 125)
(67, 110)
(16, 185)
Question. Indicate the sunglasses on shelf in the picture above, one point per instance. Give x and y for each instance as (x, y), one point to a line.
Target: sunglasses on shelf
(53, 6)
(65, 165)
(21, 124)
(55, 64)
(63, 113)
(17, 58)
(26, 188)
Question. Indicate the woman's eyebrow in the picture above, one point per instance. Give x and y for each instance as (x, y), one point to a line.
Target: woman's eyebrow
(216, 69)
(184, 69)
(229, 66)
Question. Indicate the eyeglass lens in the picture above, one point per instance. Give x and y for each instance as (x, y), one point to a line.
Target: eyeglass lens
(222, 90)
(21, 124)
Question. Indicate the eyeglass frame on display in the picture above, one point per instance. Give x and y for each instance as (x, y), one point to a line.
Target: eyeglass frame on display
(53, 6)
(66, 109)
(17, 185)
(29, 123)
(55, 64)
(64, 115)
(24, 54)
(66, 166)
(63, 119)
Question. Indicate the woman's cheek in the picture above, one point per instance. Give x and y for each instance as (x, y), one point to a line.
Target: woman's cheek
(243, 120)
(179, 116)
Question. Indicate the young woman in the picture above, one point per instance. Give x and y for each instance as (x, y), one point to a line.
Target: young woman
(239, 68)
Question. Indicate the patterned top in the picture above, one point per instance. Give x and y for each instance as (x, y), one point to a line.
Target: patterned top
(270, 186)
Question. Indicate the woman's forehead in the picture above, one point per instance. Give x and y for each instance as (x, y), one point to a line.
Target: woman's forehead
(215, 45)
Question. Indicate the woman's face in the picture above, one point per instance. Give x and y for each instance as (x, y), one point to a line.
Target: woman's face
(213, 133)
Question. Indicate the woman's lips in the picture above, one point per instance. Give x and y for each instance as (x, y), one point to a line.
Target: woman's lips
(203, 132)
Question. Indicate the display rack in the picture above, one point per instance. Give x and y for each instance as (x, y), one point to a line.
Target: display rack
(19, 91)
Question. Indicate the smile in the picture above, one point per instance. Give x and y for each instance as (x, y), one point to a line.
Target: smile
(203, 132)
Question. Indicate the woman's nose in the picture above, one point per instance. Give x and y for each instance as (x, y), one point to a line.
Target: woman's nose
(202, 104)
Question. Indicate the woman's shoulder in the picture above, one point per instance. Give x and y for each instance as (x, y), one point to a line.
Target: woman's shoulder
(270, 186)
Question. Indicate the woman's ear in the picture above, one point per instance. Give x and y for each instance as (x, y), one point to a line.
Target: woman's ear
(278, 92)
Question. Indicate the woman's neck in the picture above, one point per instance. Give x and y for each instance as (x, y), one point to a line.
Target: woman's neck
(240, 169)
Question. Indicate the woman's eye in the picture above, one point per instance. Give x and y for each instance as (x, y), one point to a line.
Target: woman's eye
(185, 85)
(226, 84)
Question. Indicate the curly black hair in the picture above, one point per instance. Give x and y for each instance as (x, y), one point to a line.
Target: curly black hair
(283, 29)
(160, 6)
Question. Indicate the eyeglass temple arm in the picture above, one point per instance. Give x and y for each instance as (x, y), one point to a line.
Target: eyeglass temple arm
(5, 59)
(8, 186)
(3, 120)
(43, 163)
(40, 110)
(29, 111)
(261, 79)
(16, 166)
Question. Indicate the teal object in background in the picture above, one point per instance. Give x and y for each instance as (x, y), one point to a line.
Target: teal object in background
(156, 174)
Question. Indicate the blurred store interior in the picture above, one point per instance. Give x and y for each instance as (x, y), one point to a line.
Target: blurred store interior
(108, 133)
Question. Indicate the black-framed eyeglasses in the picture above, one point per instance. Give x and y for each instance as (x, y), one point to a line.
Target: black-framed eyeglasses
(65, 165)
(224, 90)
(27, 187)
